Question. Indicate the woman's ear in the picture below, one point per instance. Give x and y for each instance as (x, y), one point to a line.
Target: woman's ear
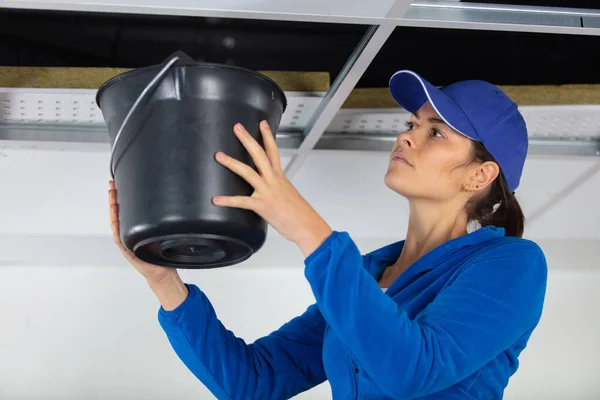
(482, 175)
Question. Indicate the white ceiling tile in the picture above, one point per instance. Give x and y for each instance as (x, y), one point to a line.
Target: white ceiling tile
(576, 213)
(348, 190)
(543, 178)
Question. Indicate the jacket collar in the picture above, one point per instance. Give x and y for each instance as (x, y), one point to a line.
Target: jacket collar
(378, 260)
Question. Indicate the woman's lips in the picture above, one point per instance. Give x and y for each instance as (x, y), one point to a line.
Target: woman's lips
(399, 158)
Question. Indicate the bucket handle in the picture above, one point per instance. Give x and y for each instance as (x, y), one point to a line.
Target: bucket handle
(153, 83)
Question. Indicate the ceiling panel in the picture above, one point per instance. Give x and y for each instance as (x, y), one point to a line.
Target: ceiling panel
(54, 192)
(60, 192)
(51, 192)
(545, 178)
(347, 189)
(574, 212)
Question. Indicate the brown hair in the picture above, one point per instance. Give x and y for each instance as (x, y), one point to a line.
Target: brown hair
(508, 215)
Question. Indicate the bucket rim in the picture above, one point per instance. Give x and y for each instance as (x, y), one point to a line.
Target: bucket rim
(202, 64)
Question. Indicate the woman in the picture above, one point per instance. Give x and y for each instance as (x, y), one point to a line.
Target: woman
(443, 314)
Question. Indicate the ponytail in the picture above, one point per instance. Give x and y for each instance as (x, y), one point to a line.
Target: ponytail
(499, 207)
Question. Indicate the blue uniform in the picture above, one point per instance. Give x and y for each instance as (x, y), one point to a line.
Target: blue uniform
(450, 327)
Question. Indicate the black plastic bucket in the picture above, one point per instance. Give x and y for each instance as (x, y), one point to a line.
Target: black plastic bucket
(165, 124)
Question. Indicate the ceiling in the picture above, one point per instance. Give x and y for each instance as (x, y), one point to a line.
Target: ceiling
(558, 196)
(558, 193)
(57, 38)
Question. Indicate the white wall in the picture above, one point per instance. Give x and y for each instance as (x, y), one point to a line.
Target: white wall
(73, 333)
(78, 322)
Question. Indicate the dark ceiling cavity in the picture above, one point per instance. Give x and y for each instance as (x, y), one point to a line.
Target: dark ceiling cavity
(36, 38)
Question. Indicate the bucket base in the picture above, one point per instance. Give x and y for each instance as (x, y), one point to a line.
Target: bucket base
(192, 251)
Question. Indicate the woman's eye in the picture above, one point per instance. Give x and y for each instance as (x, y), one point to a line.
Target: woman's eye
(409, 125)
(437, 133)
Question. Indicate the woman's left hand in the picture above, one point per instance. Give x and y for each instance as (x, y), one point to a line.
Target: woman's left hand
(275, 199)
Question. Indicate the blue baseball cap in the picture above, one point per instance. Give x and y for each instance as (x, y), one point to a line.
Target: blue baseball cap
(478, 110)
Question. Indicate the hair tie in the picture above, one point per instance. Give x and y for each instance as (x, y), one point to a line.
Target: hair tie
(496, 207)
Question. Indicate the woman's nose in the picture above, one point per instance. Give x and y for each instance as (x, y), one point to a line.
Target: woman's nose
(405, 139)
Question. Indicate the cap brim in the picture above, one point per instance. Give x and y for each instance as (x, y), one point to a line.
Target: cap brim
(411, 92)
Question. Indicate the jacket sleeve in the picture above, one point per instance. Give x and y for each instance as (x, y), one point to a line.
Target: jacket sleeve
(495, 301)
(278, 366)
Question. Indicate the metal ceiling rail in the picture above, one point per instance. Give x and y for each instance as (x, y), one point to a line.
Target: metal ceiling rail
(372, 12)
(420, 13)
(384, 142)
(95, 138)
(459, 15)
(487, 7)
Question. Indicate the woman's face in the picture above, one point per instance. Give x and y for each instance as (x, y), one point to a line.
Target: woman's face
(430, 160)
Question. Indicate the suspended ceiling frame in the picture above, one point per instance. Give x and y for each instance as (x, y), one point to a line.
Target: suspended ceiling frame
(382, 15)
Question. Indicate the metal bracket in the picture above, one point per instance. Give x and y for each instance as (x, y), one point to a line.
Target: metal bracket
(357, 64)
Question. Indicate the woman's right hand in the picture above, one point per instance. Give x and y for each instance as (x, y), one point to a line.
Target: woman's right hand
(152, 273)
(165, 282)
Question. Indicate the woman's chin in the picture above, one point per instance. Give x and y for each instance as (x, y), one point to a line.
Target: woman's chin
(397, 184)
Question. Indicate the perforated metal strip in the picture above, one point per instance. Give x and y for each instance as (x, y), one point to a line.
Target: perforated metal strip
(77, 108)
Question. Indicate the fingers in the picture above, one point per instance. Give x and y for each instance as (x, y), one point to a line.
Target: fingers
(244, 202)
(113, 207)
(115, 225)
(116, 235)
(113, 212)
(254, 149)
(270, 146)
(112, 197)
(241, 169)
